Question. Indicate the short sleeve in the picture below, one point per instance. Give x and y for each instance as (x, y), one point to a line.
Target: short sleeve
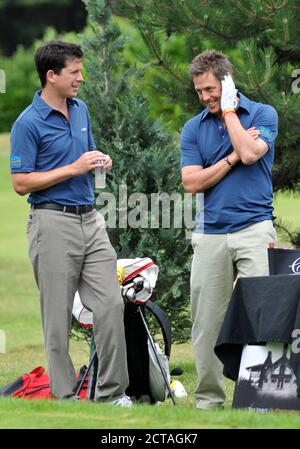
(23, 148)
(266, 121)
(92, 145)
(91, 140)
(190, 151)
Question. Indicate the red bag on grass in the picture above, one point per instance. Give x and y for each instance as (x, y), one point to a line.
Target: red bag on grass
(35, 385)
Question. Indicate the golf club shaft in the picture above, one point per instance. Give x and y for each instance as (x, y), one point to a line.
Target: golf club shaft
(156, 356)
(86, 373)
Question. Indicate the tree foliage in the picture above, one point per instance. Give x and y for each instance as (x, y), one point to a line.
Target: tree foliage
(23, 21)
(146, 161)
(262, 39)
(21, 83)
(22, 79)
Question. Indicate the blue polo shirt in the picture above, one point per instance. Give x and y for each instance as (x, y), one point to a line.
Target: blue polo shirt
(42, 139)
(244, 196)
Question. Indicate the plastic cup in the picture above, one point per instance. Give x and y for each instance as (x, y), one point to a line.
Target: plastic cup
(100, 177)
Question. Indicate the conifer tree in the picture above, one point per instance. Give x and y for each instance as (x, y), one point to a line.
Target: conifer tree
(145, 161)
(262, 39)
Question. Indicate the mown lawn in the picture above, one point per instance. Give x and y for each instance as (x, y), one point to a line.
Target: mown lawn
(20, 320)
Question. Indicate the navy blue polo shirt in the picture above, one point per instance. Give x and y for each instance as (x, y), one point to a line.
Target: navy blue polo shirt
(42, 139)
(244, 196)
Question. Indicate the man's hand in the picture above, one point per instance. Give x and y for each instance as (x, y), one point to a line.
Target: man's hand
(106, 161)
(228, 97)
(89, 161)
(253, 132)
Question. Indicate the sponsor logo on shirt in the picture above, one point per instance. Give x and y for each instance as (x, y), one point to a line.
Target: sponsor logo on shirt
(15, 161)
(83, 130)
(265, 131)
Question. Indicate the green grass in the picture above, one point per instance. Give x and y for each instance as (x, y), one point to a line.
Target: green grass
(20, 319)
(58, 414)
(287, 208)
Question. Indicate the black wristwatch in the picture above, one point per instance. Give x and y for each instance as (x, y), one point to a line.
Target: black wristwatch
(228, 162)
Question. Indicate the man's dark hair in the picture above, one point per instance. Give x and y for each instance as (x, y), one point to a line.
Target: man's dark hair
(211, 61)
(53, 56)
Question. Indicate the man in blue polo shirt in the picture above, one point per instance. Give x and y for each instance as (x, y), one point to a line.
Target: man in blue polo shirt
(52, 156)
(227, 153)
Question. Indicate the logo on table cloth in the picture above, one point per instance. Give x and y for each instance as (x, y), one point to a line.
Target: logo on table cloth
(15, 161)
(295, 266)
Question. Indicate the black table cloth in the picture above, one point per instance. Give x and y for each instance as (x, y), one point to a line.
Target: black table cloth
(261, 310)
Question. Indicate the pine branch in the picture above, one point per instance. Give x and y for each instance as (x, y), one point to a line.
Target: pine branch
(242, 8)
(292, 236)
(202, 23)
(283, 116)
(285, 30)
(257, 86)
(105, 72)
(149, 39)
(273, 7)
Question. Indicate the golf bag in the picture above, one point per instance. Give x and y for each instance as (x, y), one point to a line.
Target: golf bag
(148, 365)
(36, 385)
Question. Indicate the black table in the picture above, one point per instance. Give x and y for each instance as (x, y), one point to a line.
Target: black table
(261, 310)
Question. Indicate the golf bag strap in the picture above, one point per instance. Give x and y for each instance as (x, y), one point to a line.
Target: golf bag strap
(164, 323)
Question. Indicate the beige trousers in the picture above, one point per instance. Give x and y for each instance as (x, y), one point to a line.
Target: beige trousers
(72, 252)
(217, 260)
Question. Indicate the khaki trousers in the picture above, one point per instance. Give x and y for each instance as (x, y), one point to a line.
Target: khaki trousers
(72, 252)
(217, 260)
